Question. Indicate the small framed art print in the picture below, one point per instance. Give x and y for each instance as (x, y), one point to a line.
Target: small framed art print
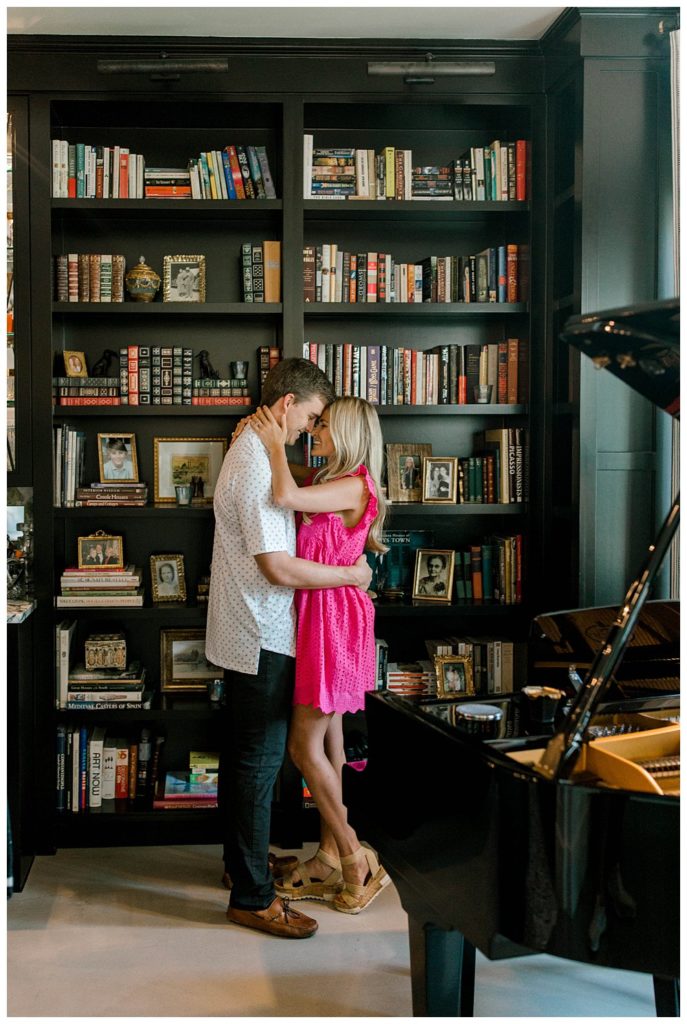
(167, 578)
(183, 279)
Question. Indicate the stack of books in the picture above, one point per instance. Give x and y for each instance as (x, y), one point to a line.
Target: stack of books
(411, 679)
(113, 493)
(107, 689)
(167, 183)
(101, 587)
(225, 391)
(332, 173)
(191, 788)
(432, 183)
(85, 390)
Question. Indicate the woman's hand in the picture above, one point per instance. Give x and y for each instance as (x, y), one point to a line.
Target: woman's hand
(272, 433)
(240, 426)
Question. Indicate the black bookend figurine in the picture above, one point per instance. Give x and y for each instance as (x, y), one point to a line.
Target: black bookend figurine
(101, 368)
(206, 369)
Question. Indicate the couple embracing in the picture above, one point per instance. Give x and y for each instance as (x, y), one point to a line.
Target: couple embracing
(290, 622)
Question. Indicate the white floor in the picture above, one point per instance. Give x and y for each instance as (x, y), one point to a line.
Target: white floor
(141, 932)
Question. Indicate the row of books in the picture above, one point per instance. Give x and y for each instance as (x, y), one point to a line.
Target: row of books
(260, 271)
(204, 391)
(496, 274)
(117, 493)
(235, 172)
(98, 772)
(101, 587)
(499, 664)
(502, 471)
(69, 465)
(89, 277)
(490, 570)
(84, 171)
(443, 375)
(496, 172)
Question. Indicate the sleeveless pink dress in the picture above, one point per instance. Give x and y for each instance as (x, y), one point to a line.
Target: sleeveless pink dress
(335, 647)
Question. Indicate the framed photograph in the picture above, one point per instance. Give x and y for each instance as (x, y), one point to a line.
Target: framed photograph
(75, 364)
(439, 480)
(454, 675)
(433, 579)
(100, 549)
(183, 665)
(404, 470)
(187, 460)
(183, 279)
(117, 457)
(167, 578)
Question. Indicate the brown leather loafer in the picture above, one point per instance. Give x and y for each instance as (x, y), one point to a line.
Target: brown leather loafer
(277, 919)
(279, 866)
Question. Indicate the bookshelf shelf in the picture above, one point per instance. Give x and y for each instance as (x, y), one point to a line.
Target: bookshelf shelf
(65, 412)
(169, 511)
(414, 310)
(195, 614)
(408, 210)
(452, 410)
(175, 208)
(417, 509)
(233, 309)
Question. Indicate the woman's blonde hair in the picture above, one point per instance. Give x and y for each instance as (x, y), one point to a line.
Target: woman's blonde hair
(357, 440)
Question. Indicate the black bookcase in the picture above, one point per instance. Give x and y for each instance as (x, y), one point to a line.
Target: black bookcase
(272, 96)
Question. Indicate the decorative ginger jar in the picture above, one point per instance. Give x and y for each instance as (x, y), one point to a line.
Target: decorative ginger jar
(142, 283)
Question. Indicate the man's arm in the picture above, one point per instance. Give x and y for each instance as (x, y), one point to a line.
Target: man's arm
(283, 570)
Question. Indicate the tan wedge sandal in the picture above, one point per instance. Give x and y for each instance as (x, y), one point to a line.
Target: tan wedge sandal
(355, 898)
(307, 888)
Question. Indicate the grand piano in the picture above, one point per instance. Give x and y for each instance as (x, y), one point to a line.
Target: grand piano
(561, 838)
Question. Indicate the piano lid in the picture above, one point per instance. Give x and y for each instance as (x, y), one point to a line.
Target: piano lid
(641, 346)
(637, 344)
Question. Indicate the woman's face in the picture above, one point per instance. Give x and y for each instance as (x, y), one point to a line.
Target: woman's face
(321, 436)
(167, 573)
(434, 567)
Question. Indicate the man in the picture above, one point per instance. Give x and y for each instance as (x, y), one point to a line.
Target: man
(118, 466)
(251, 633)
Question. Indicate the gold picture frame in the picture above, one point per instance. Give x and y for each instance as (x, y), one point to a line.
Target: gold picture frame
(178, 460)
(183, 278)
(404, 471)
(167, 578)
(112, 448)
(183, 665)
(454, 676)
(439, 480)
(100, 550)
(433, 579)
(75, 364)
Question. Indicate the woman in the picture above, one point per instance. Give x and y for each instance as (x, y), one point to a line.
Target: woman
(342, 514)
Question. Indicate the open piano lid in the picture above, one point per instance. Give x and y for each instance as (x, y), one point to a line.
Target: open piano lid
(641, 346)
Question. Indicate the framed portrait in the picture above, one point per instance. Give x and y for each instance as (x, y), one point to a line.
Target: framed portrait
(100, 550)
(183, 665)
(117, 457)
(439, 480)
(433, 580)
(167, 578)
(183, 279)
(454, 676)
(187, 460)
(404, 470)
(75, 364)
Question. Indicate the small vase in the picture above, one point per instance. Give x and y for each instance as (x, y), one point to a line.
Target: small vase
(142, 283)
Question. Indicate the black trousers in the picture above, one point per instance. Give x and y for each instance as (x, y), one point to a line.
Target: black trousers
(259, 711)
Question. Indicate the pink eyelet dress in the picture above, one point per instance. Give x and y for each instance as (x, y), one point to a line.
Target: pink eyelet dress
(335, 647)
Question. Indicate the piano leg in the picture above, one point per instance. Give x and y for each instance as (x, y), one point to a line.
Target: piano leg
(442, 968)
(667, 996)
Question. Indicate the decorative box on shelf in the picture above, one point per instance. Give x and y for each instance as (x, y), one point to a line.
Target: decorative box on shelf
(105, 650)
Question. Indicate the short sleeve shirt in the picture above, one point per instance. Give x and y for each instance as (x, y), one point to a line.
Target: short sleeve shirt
(246, 612)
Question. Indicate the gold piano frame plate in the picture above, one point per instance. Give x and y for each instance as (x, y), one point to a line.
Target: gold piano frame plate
(612, 759)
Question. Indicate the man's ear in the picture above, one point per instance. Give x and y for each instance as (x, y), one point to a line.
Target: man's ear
(288, 401)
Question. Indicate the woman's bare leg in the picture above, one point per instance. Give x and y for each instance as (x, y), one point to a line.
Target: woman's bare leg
(309, 746)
